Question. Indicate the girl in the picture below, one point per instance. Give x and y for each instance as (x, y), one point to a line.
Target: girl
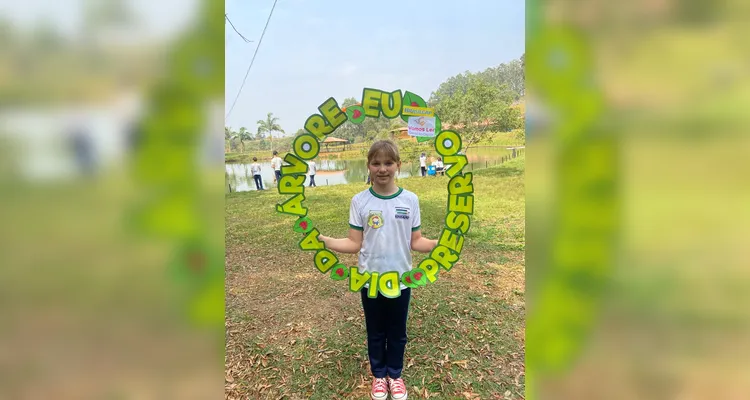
(384, 226)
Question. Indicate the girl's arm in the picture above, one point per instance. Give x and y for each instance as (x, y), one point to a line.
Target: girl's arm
(350, 244)
(420, 243)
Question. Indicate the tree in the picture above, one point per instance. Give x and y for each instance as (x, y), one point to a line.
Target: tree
(480, 108)
(242, 135)
(510, 74)
(454, 84)
(228, 135)
(269, 126)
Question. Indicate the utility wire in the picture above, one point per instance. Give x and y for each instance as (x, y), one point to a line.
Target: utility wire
(235, 29)
(251, 61)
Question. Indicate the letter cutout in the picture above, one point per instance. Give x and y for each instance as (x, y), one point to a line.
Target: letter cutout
(463, 203)
(324, 260)
(372, 289)
(444, 257)
(356, 280)
(332, 113)
(458, 222)
(461, 184)
(306, 146)
(431, 268)
(297, 166)
(311, 241)
(293, 206)
(457, 163)
(447, 143)
(371, 102)
(291, 184)
(316, 125)
(388, 285)
(452, 241)
(390, 104)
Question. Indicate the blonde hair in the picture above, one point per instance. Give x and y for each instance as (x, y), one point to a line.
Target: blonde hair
(384, 147)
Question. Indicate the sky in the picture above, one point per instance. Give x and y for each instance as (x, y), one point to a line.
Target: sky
(316, 49)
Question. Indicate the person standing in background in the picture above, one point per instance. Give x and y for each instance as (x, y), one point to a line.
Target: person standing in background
(276, 165)
(423, 164)
(255, 170)
(312, 169)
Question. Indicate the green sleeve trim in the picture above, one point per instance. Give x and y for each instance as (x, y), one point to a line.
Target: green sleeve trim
(416, 228)
(359, 228)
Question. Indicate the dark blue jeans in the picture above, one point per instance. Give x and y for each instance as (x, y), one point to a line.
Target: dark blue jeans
(258, 182)
(385, 320)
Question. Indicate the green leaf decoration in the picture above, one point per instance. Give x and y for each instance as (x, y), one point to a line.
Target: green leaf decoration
(303, 225)
(355, 114)
(339, 272)
(411, 99)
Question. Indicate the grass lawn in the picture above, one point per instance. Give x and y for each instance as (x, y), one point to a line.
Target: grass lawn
(293, 333)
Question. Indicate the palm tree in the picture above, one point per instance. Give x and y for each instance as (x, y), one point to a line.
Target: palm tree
(243, 135)
(268, 126)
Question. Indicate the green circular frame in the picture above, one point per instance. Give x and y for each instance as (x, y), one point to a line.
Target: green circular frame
(376, 103)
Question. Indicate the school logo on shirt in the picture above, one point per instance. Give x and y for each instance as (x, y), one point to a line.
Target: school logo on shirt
(375, 219)
(402, 213)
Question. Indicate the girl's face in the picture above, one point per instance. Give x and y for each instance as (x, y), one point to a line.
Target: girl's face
(383, 169)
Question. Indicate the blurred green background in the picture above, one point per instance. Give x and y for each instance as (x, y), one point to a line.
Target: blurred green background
(637, 200)
(111, 171)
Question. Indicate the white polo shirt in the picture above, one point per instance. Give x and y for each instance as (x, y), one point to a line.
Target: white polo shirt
(276, 163)
(387, 223)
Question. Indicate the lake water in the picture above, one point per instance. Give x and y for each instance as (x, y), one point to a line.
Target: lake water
(335, 172)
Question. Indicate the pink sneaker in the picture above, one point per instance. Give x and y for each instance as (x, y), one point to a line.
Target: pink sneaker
(398, 389)
(379, 389)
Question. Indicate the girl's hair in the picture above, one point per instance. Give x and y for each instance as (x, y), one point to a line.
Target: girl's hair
(385, 147)
(255, 158)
